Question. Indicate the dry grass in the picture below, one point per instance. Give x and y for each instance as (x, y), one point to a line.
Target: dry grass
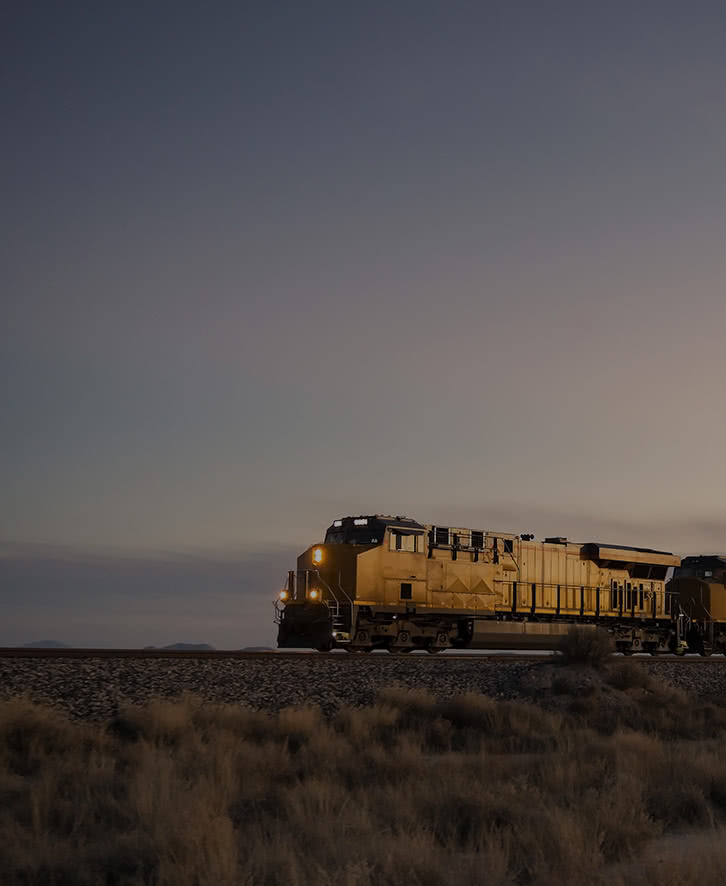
(630, 675)
(410, 791)
(587, 646)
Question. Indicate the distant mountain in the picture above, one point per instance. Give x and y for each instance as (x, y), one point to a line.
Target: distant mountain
(191, 647)
(46, 644)
(257, 649)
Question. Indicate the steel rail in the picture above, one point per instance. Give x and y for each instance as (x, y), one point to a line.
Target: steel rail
(267, 655)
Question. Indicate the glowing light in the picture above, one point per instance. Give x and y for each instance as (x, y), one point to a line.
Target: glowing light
(313, 594)
(283, 595)
(317, 555)
(361, 521)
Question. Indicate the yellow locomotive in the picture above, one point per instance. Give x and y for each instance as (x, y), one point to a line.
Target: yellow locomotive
(699, 586)
(381, 582)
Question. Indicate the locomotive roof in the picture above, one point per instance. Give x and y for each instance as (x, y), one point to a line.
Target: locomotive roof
(596, 549)
(625, 554)
(385, 519)
(600, 544)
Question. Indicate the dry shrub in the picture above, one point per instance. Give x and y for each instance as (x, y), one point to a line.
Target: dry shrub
(29, 733)
(160, 722)
(586, 646)
(414, 712)
(506, 726)
(296, 726)
(363, 726)
(630, 675)
(413, 706)
(657, 710)
(692, 859)
(635, 750)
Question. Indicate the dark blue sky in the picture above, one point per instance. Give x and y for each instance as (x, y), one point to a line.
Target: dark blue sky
(269, 264)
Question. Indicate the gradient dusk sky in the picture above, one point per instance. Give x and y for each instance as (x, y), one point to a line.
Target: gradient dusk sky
(268, 264)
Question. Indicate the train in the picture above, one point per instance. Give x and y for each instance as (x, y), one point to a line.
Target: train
(379, 582)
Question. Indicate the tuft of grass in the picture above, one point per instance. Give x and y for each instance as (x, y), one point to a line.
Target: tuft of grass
(586, 646)
(629, 675)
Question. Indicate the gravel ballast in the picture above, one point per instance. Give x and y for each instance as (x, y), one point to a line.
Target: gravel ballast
(96, 688)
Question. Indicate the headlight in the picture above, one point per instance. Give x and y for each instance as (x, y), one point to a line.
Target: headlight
(317, 555)
(283, 595)
(314, 594)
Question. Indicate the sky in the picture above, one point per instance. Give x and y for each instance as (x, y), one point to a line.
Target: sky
(269, 264)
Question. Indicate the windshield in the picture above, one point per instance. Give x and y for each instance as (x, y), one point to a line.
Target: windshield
(362, 536)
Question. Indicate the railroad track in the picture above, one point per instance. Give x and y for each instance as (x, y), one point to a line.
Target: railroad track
(218, 654)
(20, 652)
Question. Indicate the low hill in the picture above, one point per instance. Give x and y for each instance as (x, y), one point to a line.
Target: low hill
(191, 647)
(46, 644)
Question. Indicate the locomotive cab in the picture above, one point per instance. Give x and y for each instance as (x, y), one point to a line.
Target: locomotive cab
(319, 605)
(699, 584)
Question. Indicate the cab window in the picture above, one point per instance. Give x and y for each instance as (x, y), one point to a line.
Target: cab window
(404, 541)
(355, 536)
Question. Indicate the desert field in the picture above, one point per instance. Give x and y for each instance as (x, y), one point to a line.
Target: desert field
(602, 775)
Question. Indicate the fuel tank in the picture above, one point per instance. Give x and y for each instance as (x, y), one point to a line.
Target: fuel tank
(519, 634)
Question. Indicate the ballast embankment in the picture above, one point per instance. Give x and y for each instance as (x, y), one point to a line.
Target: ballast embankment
(98, 688)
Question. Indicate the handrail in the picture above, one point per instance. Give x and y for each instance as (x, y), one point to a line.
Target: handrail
(703, 605)
(347, 595)
(335, 609)
(317, 572)
(606, 588)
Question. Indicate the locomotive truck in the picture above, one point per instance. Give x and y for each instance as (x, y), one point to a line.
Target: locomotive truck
(383, 582)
